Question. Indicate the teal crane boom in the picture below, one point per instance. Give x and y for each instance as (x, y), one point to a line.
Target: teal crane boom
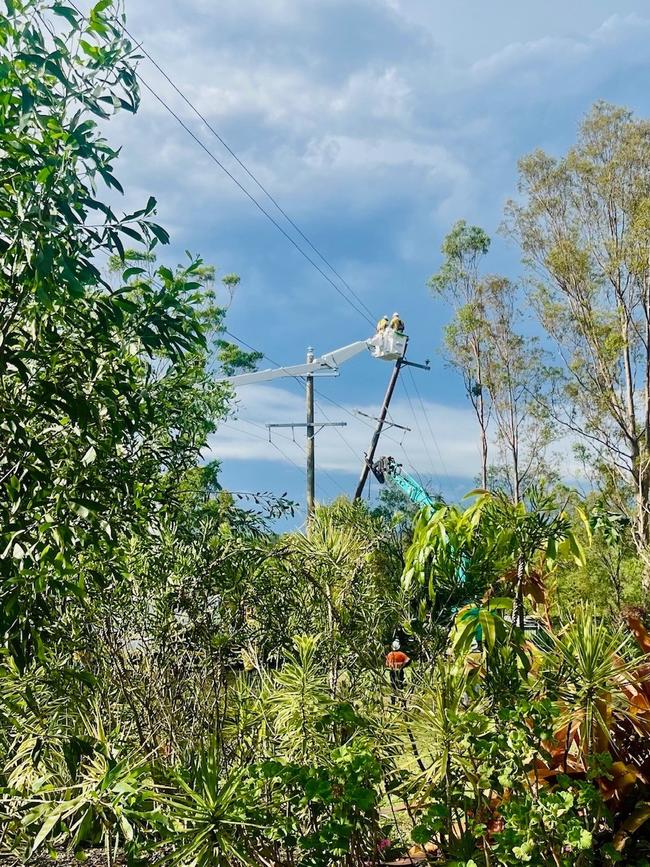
(387, 469)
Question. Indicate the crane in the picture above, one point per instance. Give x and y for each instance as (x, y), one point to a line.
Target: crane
(385, 345)
(388, 469)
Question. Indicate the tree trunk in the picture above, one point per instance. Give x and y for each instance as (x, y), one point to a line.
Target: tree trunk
(484, 460)
(641, 470)
(480, 409)
(519, 596)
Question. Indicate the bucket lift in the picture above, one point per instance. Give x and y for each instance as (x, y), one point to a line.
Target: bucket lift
(387, 345)
(387, 469)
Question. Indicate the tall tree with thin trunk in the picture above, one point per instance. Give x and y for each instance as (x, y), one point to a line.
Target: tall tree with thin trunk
(458, 282)
(512, 365)
(584, 226)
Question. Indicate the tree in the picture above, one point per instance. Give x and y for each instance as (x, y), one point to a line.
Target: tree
(458, 282)
(583, 227)
(512, 375)
(105, 392)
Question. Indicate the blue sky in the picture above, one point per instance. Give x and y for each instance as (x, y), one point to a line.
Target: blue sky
(376, 124)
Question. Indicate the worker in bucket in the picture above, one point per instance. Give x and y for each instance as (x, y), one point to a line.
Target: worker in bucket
(396, 662)
(382, 325)
(397, 324)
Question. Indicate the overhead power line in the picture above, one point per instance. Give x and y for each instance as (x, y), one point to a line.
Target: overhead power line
(231, 426)
(425, 413)
(417, 424)
(241, 163)
(361, 308)
(249, 195)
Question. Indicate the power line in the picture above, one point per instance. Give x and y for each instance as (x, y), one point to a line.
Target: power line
(356, 417)
(247, 433)
(321, 470)
(267, 439)
(428, 423)
(417, 424)
(366, 315)
(232, 153)
(249, 195)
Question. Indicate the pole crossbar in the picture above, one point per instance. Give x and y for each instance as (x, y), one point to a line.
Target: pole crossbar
(318, 424)
(386, 423)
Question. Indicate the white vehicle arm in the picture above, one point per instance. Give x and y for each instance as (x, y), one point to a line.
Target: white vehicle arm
(325, 364)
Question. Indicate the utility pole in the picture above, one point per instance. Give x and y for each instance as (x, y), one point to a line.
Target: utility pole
(311, 471)
(312, 427)
(370, 455)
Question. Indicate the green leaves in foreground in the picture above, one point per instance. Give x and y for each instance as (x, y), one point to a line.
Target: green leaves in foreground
(207, 817)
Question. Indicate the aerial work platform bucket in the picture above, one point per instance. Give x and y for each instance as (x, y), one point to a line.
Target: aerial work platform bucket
(388, 345)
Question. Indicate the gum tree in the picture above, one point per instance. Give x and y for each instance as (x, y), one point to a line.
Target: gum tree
(582, 222)
(458, 282)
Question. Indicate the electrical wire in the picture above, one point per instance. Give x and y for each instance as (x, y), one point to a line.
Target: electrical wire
(417, 424)
(356, 417)
(322, 471)
(428, 423)
(250, 174)
(359, 309)
(249, 195)
(400, 443)
(234, 426)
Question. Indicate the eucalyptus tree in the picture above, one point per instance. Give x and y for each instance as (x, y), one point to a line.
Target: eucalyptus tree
(458, 282)
(582, 222)
(513, 375)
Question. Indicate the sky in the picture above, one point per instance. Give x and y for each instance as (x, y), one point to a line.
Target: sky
(375, 124)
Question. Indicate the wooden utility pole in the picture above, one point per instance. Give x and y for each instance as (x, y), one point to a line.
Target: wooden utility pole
(381, 419)
(370, 456)
(311, 472)
(313, 427)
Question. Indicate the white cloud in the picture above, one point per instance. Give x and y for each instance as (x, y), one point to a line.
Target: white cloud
(452, 452)
(376, 125)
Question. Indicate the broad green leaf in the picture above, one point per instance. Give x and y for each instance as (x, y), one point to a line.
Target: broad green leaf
(66, 12)
(89, 456)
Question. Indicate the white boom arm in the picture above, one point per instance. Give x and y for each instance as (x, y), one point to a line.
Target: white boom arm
(325, 364)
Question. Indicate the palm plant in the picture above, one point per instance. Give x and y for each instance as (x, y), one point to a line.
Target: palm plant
(207, 817)
(589, 670)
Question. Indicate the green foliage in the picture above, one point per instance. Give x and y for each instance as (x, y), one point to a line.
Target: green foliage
(326, 813)
(582, 226)
(177, 682)
(108, 395)
(206, 816)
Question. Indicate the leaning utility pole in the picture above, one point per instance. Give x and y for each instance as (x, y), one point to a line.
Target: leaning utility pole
(370, 454)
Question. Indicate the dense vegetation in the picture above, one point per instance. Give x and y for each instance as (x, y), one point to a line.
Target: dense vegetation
(181, 685)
